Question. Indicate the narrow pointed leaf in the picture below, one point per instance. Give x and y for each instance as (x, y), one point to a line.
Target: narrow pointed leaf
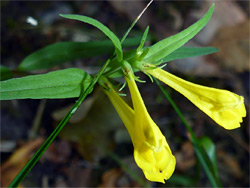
(164, 47)
(66, 83)
(186, 52)
(103, 28)
(5, 73)
(143, 40)
(61, 52)
(209, 148)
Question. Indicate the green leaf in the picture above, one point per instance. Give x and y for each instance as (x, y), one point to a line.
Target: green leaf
(59, 53)
(62, 52)
(186, 52)
(103, 28)
(66, 83)
(5, 73)
(164, 47)
(209, 147)
(182, 180)
(143, 40)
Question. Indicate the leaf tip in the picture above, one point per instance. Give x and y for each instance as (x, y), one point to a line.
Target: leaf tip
(212, 7)
(64, 15)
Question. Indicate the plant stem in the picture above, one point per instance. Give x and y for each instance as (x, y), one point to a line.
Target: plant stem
(135, 21)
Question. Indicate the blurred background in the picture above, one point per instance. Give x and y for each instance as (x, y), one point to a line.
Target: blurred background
(94, 149)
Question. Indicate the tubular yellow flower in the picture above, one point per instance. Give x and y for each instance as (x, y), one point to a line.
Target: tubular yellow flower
(151, 150)
(123, 109)
(224, 107)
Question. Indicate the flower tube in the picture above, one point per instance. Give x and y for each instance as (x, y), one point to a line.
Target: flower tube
(151, 150)
(125, 112)
(224, 107)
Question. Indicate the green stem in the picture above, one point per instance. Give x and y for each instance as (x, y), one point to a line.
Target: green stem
(135, 21)
(201, 155)
(23, 173)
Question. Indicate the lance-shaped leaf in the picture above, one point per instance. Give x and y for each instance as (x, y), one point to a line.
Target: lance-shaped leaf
(59, 53)
(164, 47)
(103, 28)
(66, 83)
(5, 73)
(210, 150)
(186, 52)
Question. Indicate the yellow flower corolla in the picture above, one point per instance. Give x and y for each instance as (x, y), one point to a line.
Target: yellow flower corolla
(125, 112)
(151, 150)
(224, 107)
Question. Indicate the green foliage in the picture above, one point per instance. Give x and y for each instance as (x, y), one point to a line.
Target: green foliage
(209, 148)
(5, 73)
(180, 53)
(103, 28)
(186, 52)
(143, 40)
(161, 49)
(66, 83)
(59, 53)
(182, 180)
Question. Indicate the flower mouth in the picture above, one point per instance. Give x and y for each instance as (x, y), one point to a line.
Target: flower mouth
(158, 164)
(157, 146)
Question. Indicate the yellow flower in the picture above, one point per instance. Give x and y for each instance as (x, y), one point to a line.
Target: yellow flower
(123, 109)
(224, 107)
(151, 150)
